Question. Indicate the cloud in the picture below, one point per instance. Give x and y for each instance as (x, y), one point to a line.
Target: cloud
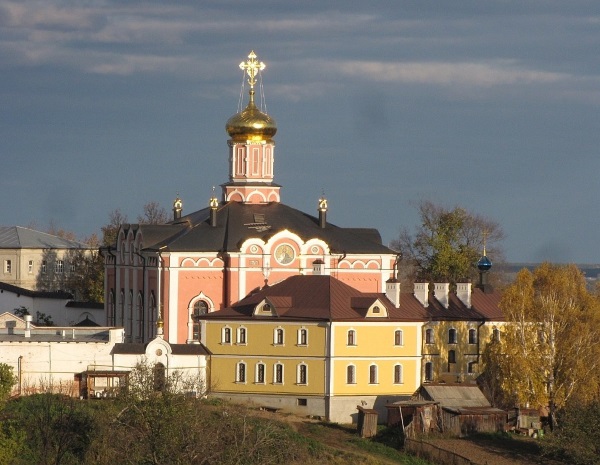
(501, 72)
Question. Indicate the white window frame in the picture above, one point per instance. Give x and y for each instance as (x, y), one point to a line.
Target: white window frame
(242, 330)
(300, 332)
(276, 332)
(30, 267)
(264, 373)
(241, 379)
(59, 266)
(7, 266)
(275, 381)
(299, 374)
(226, 330)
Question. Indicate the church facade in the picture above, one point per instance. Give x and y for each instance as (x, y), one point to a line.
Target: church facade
(168, 276)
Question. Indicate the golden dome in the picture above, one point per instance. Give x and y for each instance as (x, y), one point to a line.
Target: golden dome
(251, 124)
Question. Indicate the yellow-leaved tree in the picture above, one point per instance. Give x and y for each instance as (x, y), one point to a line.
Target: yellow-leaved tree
(549, 351)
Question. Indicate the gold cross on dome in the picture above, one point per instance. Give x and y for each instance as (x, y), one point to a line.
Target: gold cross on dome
(252, 67)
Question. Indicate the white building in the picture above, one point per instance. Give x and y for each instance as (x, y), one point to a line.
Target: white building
(90, 361)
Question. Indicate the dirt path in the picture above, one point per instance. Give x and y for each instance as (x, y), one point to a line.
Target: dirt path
(488, 452)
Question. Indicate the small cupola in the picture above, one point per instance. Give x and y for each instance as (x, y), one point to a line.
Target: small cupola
(177, 208)
(322, 212)
(214, 205)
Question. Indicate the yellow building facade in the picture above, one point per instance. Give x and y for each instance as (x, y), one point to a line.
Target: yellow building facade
(314, 346)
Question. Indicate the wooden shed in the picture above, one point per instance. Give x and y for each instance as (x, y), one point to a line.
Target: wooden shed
(414, 416)
(367, 422)
(458, 409)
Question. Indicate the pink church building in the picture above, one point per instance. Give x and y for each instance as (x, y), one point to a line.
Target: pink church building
(164, 277)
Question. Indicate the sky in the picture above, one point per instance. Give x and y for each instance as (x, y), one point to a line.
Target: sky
(493, 106)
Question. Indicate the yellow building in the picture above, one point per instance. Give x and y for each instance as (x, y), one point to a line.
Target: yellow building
(313, 345)
(458, 327)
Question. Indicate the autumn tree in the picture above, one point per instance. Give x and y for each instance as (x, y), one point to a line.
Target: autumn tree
(548, 353)
(447, 244)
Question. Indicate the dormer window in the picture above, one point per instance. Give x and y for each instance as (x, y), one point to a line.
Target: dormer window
(266, 308)
(376, 309)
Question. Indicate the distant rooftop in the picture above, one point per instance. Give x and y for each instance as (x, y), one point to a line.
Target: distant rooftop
(18, 237)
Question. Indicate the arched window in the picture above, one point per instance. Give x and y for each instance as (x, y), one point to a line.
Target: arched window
(452, 336)
(200, 308)
(260, 373)
(472, 336)
(351, 374)
(240, 372)
(302, 337)
(226, 335)
(278, 337)
(451, 356)
(398, 338)
(496, 335)
(122, 305)
(351, 337)
(241, 335)
(302, 375)
(152, 319)
(130, 315)
(140, 316)
(429, 336)
(112, 317)
(373, 374)
(278, 373)
(398, 378)
(428, 371)
(160, 377)
(471, 367)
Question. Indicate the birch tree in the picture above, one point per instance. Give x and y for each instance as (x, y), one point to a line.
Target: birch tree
(548, 352)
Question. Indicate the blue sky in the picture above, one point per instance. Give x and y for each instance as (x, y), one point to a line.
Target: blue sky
(494, 106)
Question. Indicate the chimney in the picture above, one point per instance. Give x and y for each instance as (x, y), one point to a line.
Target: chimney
(441, 290)
(214, 204)
(177, 208)
(322, 212)
(421, 291)
(28, 320)
(392, 291)
(318, 267)
(463, 292)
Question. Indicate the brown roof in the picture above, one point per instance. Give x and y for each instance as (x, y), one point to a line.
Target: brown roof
(317, 298)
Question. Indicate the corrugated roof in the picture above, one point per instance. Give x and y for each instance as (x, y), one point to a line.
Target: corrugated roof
(456, 396)
(17, 237)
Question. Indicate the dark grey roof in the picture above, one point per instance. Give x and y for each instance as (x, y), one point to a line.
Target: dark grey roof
(29, 293)
(17, 237)
(237, 222)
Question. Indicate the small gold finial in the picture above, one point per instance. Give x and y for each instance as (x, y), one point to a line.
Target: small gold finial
(252, 68)
(178, 203)
(214, 202)
(323, 204)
